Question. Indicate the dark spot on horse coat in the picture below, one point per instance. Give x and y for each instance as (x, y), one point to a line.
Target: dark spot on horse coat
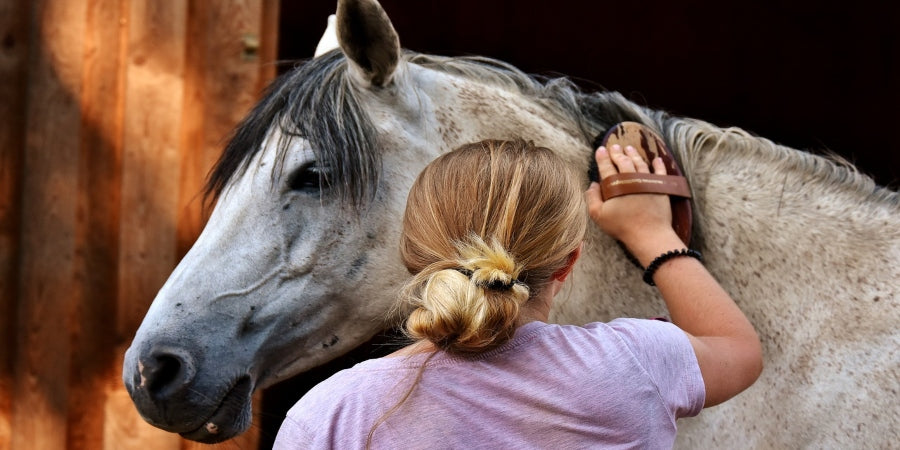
(286, 207)
(356, 265)
(334, 340)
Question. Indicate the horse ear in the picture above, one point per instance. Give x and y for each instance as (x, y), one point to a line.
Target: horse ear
(368, 38)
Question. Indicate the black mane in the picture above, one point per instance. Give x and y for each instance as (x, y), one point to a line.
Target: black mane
(315, 101)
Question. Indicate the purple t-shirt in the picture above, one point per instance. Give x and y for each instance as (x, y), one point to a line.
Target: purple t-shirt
(612, 385)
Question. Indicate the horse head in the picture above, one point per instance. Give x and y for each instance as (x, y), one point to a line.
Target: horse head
(294, 266)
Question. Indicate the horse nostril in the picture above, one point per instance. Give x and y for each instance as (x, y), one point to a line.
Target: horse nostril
(165, 372)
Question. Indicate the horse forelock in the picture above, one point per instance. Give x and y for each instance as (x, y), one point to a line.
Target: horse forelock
(317, 102)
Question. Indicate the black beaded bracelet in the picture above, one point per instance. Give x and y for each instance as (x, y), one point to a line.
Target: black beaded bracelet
(651, 269)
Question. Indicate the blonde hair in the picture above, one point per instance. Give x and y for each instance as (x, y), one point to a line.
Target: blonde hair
(486, 227)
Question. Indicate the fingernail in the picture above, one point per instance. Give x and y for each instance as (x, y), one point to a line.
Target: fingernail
(616, 147)
(601, 150)
(630, 149)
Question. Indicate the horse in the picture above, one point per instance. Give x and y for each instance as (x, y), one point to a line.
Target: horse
(298, 263)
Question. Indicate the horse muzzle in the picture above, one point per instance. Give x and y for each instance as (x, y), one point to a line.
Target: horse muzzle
(169, 393)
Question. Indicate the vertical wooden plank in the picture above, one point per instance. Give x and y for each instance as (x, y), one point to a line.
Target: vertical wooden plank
(154, 72)
(13, 68)
(192, 144)
(223, 81)
(48, 278)
(93, 343)
(232, 76)
(151, 163)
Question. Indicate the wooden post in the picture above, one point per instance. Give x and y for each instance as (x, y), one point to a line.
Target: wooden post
(99, 191)
(48, 285)
(113, 112)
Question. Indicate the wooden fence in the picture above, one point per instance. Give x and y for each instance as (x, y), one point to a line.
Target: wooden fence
(111, 114)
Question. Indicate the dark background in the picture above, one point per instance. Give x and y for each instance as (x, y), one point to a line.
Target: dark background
(813, 75)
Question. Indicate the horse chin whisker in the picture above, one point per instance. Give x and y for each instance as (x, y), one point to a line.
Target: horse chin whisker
(201, 395)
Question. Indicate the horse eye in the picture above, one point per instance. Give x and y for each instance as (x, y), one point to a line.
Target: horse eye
(309, 179)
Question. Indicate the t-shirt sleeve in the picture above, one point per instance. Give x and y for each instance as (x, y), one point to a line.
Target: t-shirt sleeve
(666, 354)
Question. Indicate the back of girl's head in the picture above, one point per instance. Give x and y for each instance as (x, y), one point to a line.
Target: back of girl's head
(486, 228)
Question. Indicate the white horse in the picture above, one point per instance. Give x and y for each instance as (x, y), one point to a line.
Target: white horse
(298, 263)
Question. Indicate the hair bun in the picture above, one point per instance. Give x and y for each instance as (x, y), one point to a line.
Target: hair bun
(454, 314)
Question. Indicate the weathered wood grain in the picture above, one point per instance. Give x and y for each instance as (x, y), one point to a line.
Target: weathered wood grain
(154, 89)
(112, 113)
(99, 187)
(222, 82)
(48, 285)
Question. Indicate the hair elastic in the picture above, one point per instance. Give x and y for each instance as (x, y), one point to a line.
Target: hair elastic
(494, 285)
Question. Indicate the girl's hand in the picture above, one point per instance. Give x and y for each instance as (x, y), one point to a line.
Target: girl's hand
(629, 218)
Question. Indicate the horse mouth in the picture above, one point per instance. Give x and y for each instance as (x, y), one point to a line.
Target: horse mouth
(230, 418)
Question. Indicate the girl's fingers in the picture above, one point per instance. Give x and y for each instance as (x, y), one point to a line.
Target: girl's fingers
(637, 160)
(620, 159)
(659, 167)
(604, 163)
(615, 160)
